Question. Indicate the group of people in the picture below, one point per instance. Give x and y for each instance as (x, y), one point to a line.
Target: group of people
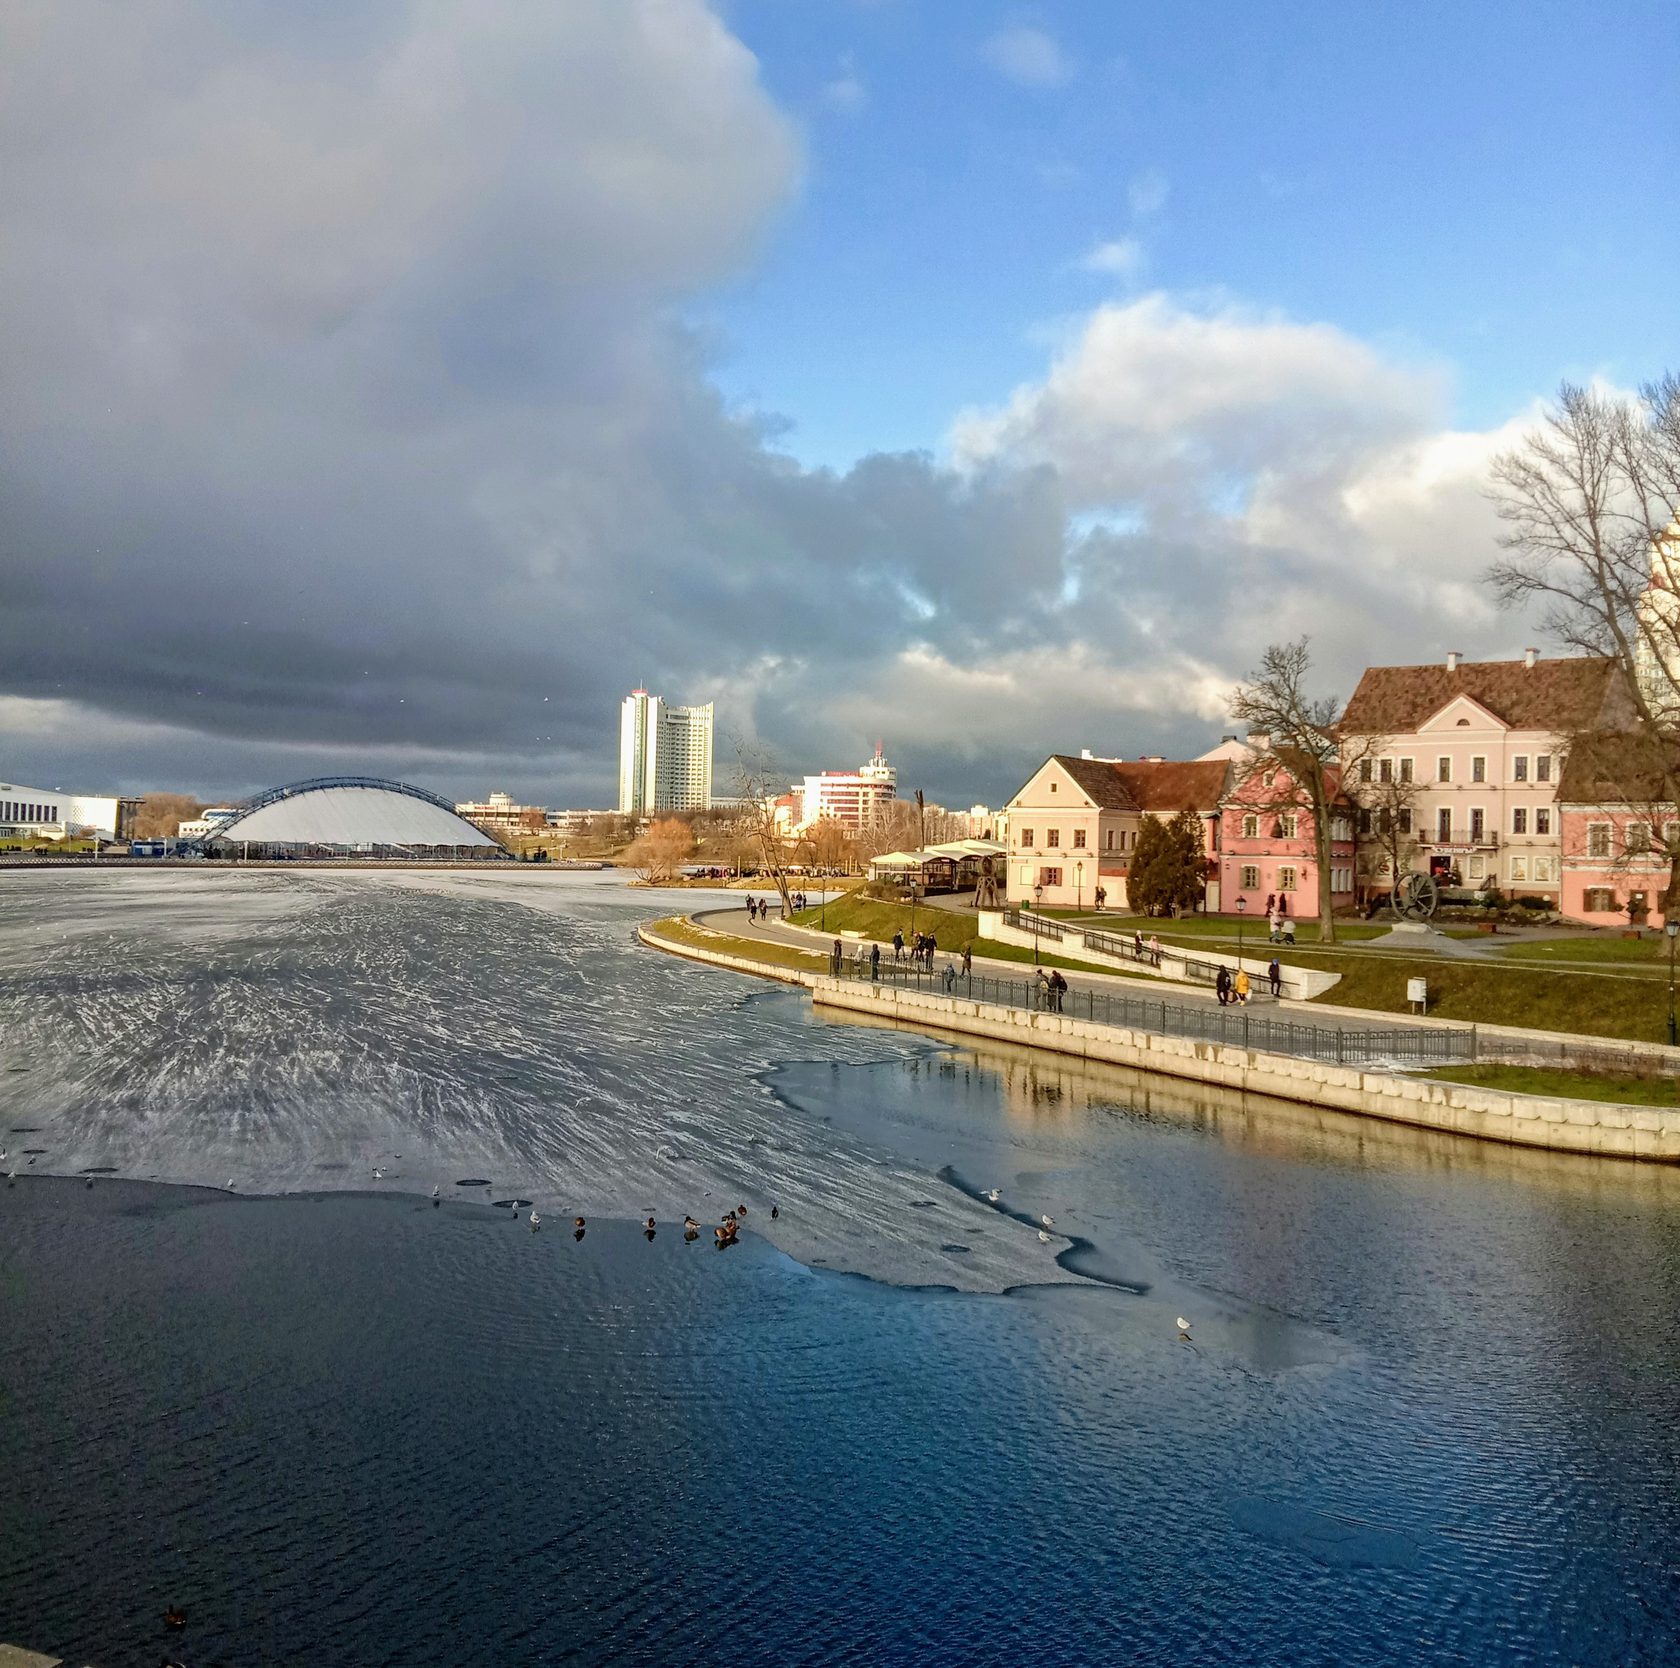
(1233, 988)
(758, 909)
(1052, 987)
(1150, 953)
(1279, 928)
(921, 952)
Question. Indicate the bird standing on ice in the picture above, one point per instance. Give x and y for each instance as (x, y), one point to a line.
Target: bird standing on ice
(1043, 1238)
(1183, 1327)
(1048, 1221)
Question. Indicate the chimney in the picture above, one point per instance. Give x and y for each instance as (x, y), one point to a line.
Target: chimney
(1086, 753)
(1529, 658)
(1452, 660)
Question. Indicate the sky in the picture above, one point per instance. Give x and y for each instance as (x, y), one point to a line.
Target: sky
(388, 387)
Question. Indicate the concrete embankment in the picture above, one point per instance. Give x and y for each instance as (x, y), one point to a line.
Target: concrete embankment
(1599, 1128)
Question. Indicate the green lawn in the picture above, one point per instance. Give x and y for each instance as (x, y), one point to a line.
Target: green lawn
(1578, 1085)
(1209, 926)
(1630, 952)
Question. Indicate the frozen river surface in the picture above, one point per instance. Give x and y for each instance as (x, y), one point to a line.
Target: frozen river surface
(1429, 1411)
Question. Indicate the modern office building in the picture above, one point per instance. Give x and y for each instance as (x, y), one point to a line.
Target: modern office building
(45, 813)
(853, 798)
(664, 756)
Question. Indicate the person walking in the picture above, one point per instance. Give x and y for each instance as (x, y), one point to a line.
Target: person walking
(932, 949)
(1242, 986)
(875, 963)
(1102, 898)
(1058, 989)
(837, 956)
(1222, 984)
(968, 961)
(1154, 949)
(1274, 975)
(950, 976)
(898, 946)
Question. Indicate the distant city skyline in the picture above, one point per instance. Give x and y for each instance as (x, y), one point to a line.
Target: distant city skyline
(928, 369)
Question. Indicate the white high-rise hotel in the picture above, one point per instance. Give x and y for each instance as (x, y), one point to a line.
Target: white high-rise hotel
(664, 756)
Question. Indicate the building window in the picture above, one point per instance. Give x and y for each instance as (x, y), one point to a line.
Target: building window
(1638, 838)
(1598, 900)
(1405, 819)
(1477, 868)
(1052, 787)
(1598, 839)
(1365, 819)
(1519, 868)
(1405, 770)
(1385, 770)
(1110, 840)
(1079, 838)
(1026, 838)
(1443, 768)
(1286, 878)
(1250, 877)
(1341, 880)
(1269, 778)
(1443, 825)
(1671, 832)
(1341, 829)
(1291, 825)
(1052, 837)
(1519, 821)
(1478, 824)
(1478, 768)
(1049, 877)
(1545, 869)
(1542, 820)
(1251, 827)
(1542, 767)
(1519, 768)
(1364, 770)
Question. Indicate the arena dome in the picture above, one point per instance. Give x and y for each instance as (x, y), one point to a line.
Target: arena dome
(352, 816)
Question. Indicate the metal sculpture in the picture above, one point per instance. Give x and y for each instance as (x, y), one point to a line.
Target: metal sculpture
(986, 892)
(1416, 896)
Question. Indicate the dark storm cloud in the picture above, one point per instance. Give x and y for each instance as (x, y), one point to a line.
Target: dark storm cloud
(344, 417)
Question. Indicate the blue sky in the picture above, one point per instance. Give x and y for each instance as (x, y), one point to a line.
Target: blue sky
(1487, 187)
(386, 387)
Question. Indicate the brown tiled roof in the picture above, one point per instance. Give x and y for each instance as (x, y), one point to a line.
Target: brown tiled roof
(1575, 693)
(1615, 768)
(1164, 786)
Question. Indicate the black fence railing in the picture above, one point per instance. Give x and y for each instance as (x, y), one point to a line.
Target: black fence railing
(1237, 1027)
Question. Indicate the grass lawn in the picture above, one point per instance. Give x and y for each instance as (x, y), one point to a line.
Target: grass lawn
(1212, 926)
(683, 931)
(1633, 952)
(1547, 1080)
(956, 930)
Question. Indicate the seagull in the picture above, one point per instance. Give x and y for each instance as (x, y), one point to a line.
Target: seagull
(1043, 1238)
(1048, 1221)
(995, 1194)
(378, 1174)
(434, 1192)
(1184, 1326)
(536, 1222)
(230, 1184)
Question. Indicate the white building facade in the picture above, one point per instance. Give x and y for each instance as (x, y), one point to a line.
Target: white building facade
(853, 798)
(664, 756)
(44, 813)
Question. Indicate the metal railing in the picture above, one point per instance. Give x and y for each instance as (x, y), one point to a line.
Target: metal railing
(1235, 1027)
(1197, 970)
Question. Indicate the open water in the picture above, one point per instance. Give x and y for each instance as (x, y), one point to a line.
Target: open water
(1429, 1410)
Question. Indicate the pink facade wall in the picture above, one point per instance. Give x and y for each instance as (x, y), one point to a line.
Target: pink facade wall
(1596, 862)
(1270, 854)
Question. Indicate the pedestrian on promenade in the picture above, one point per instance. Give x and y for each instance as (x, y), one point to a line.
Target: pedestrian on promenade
(950, 976)
(1137, 944)
(1058, 989)
(752, 909)
(837, 956)
(932, 949)
(1242, 985)
(1286, 929)
(1155, 949)
(1271, 905)
(1102, 898)
(1275, 974)
(898, 946)
(968, 961)
(875, 962)
(1222, 984)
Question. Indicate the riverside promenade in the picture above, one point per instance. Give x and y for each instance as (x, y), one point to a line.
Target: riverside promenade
(1368, 1087)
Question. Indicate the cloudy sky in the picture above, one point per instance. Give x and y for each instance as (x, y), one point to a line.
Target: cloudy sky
(390, 385)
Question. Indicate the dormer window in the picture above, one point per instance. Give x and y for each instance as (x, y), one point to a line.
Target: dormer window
(1052, 787)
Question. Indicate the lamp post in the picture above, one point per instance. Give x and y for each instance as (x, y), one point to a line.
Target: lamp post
(1038, 898)
(1242, 907)
(1079, 888)
(1672, 928)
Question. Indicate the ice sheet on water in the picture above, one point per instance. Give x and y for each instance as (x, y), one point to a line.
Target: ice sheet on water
(206, 1025)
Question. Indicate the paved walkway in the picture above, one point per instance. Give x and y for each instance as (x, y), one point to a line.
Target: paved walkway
(732, 920)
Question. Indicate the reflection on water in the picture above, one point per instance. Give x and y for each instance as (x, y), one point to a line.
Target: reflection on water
(1427, 1411)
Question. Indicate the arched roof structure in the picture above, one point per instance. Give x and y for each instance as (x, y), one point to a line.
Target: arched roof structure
(352, 813)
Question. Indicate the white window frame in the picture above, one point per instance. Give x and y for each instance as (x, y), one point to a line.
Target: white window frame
(1443, 768)
(1251, 825)
(1519, 767)
(1598, 840)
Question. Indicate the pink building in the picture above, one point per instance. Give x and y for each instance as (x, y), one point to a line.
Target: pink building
(1268, 848)
(1616, 835)
(1074, 824)
(1479, 744)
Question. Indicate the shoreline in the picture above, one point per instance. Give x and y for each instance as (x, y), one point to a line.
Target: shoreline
(1599, 1129)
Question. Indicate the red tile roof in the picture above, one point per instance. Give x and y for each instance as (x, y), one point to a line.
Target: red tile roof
(1575, 693)
(1165, 787)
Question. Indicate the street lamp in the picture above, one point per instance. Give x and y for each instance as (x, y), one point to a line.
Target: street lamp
(1079, 888)
(1038, 898)
(1672, 928)
(1242, 906)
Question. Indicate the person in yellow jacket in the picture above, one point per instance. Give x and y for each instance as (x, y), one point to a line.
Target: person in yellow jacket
(1242, 984)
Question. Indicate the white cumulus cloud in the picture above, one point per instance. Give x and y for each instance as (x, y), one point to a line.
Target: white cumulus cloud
(1029, 56)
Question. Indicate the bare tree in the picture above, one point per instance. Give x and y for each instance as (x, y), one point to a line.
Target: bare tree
(1590, 499)
(756, 786)
(1387, 805)
(1302, 743)
(660, 853)
(159, 815)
